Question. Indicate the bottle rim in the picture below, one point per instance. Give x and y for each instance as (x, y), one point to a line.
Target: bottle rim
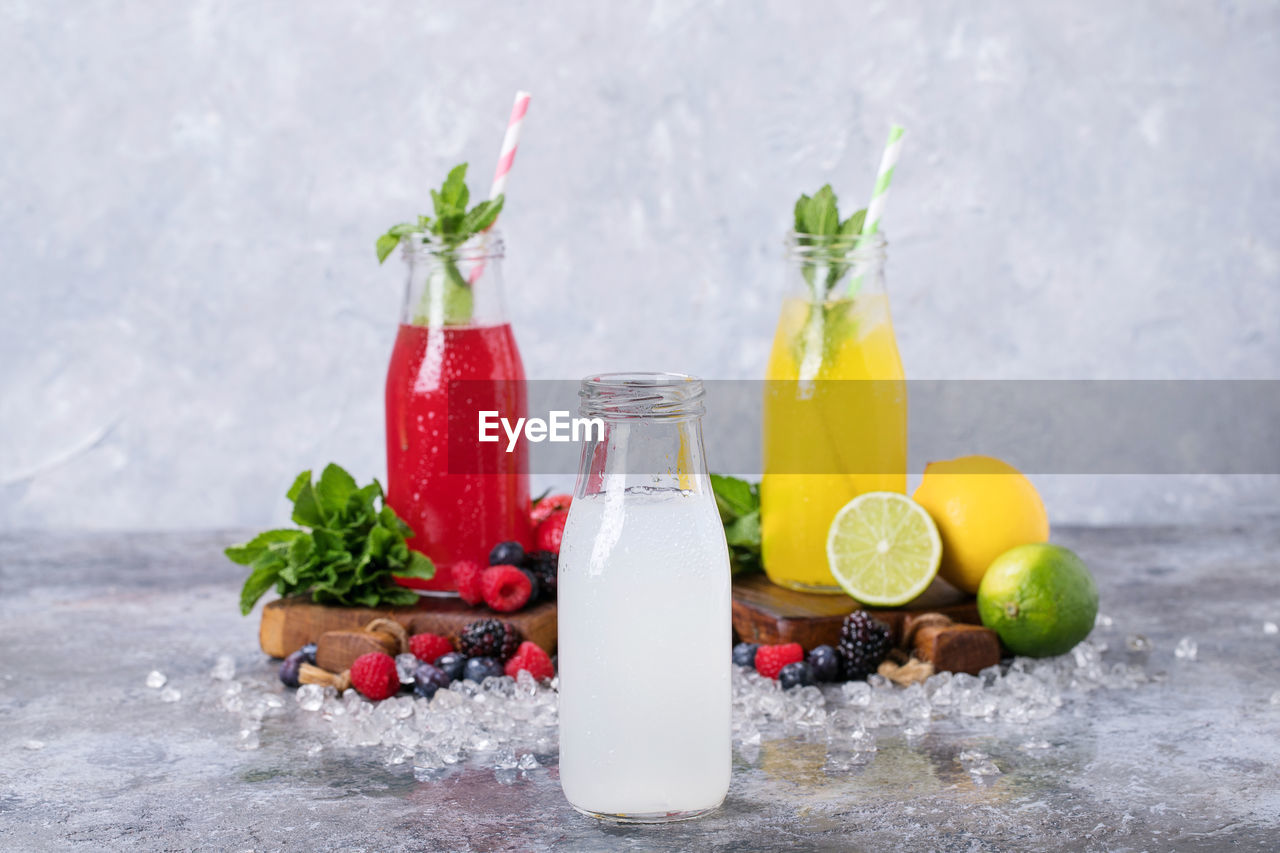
(642, 395)
(485, 246)
(846, 248)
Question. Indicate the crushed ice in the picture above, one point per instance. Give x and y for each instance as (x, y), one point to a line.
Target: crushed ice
(510, 725)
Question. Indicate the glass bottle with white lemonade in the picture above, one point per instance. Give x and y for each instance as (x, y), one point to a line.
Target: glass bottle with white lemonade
(835, 403)
(644, 577)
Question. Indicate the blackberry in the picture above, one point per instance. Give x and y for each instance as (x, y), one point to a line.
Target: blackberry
(744, 654)
(825, 662)
(864, 642)
(490, 638)
(798, 674)
(543, 565)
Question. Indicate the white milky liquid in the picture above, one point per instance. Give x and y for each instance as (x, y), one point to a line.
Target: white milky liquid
(644, 640)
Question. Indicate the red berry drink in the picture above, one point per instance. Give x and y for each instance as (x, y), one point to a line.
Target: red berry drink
(459, 496)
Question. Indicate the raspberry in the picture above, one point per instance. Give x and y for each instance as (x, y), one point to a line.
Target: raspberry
(533, 659)
(375, 676)
(549, 533)
(505, 588)
(466, 577)
(428, 647)
(771, 659)
(489, 638)
(864, 642)
(543, 508)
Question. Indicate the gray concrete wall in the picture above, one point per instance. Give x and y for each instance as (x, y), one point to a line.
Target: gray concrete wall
(191, 309)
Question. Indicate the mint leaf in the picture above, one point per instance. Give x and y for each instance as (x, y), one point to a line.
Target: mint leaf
(386, 245)
(733, 496)
(334, 489)
(303, 479)
(739, 505)
(306, 507)
(349, 554)
(454, 193)
(822, 218)
(248, 552)
(744, 531)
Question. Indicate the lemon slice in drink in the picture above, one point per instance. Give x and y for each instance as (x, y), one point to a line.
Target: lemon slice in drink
(883, 548)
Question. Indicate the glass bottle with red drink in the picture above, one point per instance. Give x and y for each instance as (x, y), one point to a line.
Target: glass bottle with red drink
(454, 356)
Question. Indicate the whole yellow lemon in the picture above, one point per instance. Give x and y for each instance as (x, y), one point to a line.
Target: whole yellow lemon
(983, 507)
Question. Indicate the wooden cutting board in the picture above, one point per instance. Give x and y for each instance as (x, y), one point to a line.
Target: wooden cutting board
(764, 613)
(290, 623)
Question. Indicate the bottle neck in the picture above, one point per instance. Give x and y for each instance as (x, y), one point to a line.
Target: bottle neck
(834, 268)
(454, 285)
(650, 436)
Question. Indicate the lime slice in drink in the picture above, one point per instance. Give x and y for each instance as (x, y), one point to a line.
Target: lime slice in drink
(883, 548)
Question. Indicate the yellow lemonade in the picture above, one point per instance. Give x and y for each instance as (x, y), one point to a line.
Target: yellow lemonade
(827, 441)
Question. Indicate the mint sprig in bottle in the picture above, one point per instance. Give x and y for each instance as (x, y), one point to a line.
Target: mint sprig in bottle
(454, 356)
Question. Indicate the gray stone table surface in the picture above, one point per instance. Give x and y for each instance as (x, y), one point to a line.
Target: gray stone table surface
(94, 759)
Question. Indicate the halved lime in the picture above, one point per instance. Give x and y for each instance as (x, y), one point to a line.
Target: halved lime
(883, 548)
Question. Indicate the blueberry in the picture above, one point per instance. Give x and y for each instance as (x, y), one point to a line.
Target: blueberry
(798, 674)
(309, 652)
(506, 554)
(478, 669)
(744, 654)
(452, 664)
(535, 588)
(289, 668)
(825, 663)
(427, 679)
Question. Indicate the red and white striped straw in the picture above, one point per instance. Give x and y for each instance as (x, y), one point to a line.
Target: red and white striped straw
(509, 142)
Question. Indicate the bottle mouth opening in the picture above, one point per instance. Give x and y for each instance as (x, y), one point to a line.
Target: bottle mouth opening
(487, 245)
(854, 249)
(642, 395)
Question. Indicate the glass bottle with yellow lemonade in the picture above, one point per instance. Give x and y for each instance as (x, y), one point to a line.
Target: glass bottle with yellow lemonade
(835, 403)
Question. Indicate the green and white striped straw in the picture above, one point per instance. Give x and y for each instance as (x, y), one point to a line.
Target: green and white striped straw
(880, 195)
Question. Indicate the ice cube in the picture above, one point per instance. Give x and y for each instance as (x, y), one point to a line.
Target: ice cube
(1102, 620)
(1186, 649)
(224, 668)
(156, 679)
(33, 744)
(1270, 628)
(311, 696)
(405, 665)
(857, 693)
(1034, 744)
(1137, 643)
(248, 739)
(399, 755)
(170, 694)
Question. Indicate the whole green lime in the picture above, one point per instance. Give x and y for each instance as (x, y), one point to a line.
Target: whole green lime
(1039, 598)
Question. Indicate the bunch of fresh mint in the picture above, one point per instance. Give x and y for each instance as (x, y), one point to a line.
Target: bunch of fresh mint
(739, 505)
(818, 224)
(452, 225)
(348, 554)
